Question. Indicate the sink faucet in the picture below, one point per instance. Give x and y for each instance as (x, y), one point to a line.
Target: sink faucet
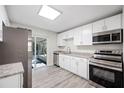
(68, 50)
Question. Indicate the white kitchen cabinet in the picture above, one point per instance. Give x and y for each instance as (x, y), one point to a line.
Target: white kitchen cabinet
(78, 36)
(83, 35)
(87, 35)
(1, 30)
(61, 61)
(60, 41)
(64, 62)
(71, 34)
(67, 62)
(62, 37)
(65, 35)
(107, 24)
(83, 67)
(14, 81)
(74, 65)
(113, 22)
(68, 35)
(98, 26)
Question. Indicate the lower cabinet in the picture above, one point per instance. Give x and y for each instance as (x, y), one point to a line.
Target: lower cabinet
(14, 81)
(64, 62)
(67, 63)
(75, 65)
(83, 68)
(61, 60)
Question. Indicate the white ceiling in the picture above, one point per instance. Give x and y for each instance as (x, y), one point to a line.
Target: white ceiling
(72, 15)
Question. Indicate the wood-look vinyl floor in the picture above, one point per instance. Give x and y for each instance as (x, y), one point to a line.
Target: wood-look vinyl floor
(56, 77)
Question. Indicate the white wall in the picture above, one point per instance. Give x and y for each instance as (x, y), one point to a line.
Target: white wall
(3, 15)
(90, 48)
(50, 36)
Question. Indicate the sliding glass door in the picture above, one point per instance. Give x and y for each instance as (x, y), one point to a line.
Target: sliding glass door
(39, 52)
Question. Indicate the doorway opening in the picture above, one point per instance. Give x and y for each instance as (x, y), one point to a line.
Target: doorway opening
(39, 46)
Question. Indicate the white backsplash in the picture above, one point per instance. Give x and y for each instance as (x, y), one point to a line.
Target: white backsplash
(89, 48)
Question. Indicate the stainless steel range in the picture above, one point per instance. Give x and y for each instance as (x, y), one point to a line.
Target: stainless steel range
(105, 68)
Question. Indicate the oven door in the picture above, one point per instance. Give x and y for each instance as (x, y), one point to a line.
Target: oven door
(106, 77)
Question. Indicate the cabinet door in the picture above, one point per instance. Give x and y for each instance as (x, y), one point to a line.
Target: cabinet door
(61, 60)
(83, 68)
(11, 82)
(65, 35)
(83, 35)
(1, 30)
(98, 26)
(78, 36)
(74, 65)
(87, 34)
(113, 22)
(60, 41)
(70, 34)
(67, 62)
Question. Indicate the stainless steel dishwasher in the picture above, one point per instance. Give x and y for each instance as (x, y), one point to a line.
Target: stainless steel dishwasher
(56, 59)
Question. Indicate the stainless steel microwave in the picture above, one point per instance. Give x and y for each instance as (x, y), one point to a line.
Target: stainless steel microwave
(108, 37)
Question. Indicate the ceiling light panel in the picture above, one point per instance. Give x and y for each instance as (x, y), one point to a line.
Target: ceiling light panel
(49, 12)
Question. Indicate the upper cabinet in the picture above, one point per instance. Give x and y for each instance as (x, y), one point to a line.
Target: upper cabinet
(68, 35)
(60, 41)
(77, 36)
(62, 37)
(83, 35)
(114, 22)
(98, 26)
(87, 34)
(107, 24)
(1, 30)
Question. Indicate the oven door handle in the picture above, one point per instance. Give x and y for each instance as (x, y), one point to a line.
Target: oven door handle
(105, 66)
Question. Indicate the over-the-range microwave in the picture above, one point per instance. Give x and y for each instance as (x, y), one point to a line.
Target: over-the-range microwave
(108, 37)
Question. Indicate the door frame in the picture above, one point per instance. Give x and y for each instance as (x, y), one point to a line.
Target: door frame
(46, 46)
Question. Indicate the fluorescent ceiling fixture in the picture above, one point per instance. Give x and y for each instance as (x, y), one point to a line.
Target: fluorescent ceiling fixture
(49, 12)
